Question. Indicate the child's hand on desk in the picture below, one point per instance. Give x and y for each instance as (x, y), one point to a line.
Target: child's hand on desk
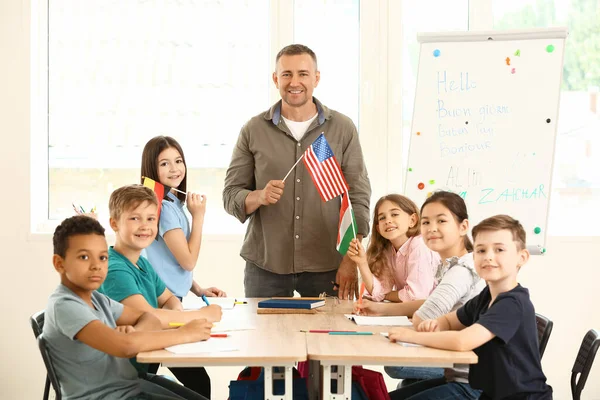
(368, 308)
(213, 313)
(213, 292)
(125, 329)
(198, 329)
(400, 334)
(429, 325)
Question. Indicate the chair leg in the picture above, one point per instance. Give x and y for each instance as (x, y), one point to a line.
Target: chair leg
(47, 388)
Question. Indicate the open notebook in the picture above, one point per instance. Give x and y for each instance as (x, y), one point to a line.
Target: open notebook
(379, 321)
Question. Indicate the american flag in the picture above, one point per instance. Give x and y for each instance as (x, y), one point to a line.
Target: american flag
(324, 169)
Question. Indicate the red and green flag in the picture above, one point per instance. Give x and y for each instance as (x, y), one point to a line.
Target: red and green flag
(346, 229)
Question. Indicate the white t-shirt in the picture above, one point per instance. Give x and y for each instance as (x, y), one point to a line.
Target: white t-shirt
(298, 129)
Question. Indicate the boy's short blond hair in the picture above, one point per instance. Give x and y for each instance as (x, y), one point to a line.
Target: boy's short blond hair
(129, 197)
(501, 222)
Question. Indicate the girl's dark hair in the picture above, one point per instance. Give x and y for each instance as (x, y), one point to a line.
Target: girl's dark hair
(457, 207)
(152, 150)
(378, 244)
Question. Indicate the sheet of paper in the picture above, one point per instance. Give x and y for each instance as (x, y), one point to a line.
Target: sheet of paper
(379, 321)
(385, 334)
(231, 322)
(212, 345)
(196, 303)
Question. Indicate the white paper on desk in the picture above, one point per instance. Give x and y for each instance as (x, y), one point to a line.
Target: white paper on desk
(405, 344)
(379, 321)
(196, 303)
(213, 345)
(230, 326)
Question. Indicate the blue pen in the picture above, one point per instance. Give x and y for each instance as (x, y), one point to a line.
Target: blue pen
(205, 300)
(350, 333)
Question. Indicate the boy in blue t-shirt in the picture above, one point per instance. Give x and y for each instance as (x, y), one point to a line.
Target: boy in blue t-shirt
(499, 324)
(90, 336)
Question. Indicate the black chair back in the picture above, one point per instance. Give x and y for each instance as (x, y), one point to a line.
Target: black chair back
(49, 366)
(37, 325)
(544, 328)
(583, 362)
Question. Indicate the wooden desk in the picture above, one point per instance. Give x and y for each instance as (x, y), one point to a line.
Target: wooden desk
(278, 342)
(269, 345)
(342, 352)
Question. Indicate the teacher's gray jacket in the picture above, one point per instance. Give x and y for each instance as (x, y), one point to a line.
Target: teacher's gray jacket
(299, 232)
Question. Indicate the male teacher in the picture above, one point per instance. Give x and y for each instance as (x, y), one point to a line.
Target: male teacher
(291, 238)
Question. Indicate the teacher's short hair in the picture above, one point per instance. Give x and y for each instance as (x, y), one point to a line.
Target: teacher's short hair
(296, 50)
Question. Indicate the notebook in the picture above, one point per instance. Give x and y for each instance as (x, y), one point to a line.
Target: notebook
(289, 303)
(379, 321)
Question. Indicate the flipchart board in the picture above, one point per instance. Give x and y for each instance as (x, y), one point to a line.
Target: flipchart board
(484, 123)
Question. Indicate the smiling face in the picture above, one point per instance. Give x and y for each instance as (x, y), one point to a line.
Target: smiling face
(393, 223)
(136, 228)
(296, 77)
(85, 264)
(171, 167)
(497, 257)
(441, 232)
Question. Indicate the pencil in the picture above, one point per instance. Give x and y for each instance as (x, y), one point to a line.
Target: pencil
(351, 333)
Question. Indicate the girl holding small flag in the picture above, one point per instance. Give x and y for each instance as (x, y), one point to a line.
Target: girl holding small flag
(175, 251)
(397, 266)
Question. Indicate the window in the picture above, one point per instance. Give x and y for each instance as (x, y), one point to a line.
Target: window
(576, 175)
(336, 43)
(122, 73)
(418, 17)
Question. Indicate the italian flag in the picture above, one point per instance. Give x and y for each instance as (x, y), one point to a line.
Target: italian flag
(346, 228)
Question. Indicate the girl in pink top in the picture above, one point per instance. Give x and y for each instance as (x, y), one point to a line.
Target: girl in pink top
(397, 266)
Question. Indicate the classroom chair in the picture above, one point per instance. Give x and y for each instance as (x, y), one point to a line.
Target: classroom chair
(544, 329)
(583, 362)
(37, 324)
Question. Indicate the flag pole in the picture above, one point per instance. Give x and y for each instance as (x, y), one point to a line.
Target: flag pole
(294, 166)
(180, 191)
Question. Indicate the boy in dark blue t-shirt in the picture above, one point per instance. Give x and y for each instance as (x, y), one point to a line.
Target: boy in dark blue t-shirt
(498, 325)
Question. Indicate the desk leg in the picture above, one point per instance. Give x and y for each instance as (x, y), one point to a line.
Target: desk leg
(343, 376)
(269, 384)
(314, 380)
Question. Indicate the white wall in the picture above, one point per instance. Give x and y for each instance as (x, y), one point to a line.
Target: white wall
(563, 284)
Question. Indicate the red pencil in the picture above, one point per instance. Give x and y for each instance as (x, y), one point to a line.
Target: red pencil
(218, 335)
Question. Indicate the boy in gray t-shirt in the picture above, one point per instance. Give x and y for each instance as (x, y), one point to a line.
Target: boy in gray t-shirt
(91, 337)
